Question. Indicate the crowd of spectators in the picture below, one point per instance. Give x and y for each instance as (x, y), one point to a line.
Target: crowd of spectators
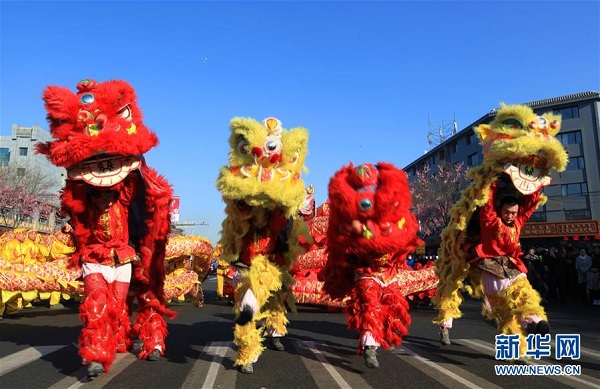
(566, 273)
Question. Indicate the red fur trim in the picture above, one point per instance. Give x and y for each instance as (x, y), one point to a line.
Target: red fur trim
(97, 341)
(73, 203)
(150, 327)
(150, 272)
(382, 311)
(122, 313)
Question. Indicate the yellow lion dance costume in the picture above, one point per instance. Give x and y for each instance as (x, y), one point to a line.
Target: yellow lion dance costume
(519, 152)
(262, 235)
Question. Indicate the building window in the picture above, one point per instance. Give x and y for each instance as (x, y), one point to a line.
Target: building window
(20, 172)
(568, 112)
(576, 163)
(4, 156)
(578, 214)
(23, 151)
(569, 138)
(473, 159)
(579, 189)
(453, 148)
(538, 216)
(472, 139)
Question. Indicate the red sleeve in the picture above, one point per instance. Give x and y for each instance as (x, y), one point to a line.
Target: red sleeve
(528, 205)
(487, 214)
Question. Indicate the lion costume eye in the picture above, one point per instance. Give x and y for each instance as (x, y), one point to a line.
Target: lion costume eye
(273, 145)
(243, 146)
(543, 122)
(365, 204)
(513, 124)
(125, 112)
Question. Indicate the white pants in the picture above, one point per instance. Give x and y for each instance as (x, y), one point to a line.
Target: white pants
(121, 273)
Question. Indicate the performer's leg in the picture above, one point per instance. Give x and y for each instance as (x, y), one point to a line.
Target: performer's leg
(448, 301)
(122, 325)
(97, 343)
(256, 285)
(363, 310)
(150, 326)
(220, 282)
(276, 323)
(516, 305)
(246, 336)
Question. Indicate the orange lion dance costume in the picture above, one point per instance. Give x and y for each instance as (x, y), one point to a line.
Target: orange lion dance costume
(119, 210)
(371, 231)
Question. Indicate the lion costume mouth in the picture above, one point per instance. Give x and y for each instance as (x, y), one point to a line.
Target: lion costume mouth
(104, 170)
(526, 178)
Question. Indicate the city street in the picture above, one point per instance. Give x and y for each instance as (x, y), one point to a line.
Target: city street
(39, 350)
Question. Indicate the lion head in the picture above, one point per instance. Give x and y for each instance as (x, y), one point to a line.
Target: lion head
(524, 145)
(98, 133)
(265, 165)
(370, 211)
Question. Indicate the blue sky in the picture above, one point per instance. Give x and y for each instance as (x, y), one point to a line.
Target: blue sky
(364, 77)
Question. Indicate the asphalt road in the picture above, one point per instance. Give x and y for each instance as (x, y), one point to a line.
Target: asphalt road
(39, 351)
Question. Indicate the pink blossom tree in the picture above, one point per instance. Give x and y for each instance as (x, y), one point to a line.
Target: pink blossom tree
(435, 193)
(23, 199)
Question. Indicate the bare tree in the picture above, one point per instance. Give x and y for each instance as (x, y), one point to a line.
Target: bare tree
(435, 194)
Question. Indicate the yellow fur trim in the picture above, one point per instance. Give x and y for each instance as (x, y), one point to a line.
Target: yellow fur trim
(284, 193)
(517, 301)
(249, 339)
(265, 280)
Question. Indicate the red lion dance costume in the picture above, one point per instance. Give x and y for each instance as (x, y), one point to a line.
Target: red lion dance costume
(371, 231)
(119, 210)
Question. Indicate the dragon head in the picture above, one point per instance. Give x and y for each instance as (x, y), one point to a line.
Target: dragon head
(265, 165)
(98, 133)
(524, 145)
(370, 211)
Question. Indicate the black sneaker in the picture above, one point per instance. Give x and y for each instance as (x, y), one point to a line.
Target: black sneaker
(94, 369)
(542, 327)
(276, 342)
(247, 368)
(370, 355)
(154, 356)
(445, 336)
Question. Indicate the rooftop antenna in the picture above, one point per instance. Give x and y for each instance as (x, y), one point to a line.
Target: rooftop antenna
(440, 131)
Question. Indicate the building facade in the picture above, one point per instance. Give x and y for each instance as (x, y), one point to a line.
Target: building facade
(18, 157)
(572, 212)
